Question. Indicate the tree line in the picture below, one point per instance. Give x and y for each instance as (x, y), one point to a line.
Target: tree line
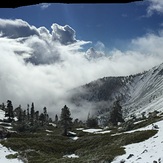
(30, 119)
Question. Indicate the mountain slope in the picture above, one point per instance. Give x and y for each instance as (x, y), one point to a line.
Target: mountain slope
(6, 153)
(138, 93)
(149, 150)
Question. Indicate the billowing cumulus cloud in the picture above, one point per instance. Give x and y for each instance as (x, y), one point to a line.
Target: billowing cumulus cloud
(16, 29)
(64, 34)
(44, 66)
(44, 44)
(155, 6)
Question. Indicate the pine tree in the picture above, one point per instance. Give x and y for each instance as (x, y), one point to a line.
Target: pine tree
(92, 122)
(66, 120)
(24, 115)
(10, 112)
(116, 113)
(56, 118)
(19, 113)
(45, 114)
(32, 113)
(3, 106)
(42, 119)
(37, 115)
(28, 115)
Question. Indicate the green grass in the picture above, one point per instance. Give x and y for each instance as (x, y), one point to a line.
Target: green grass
(42, 148)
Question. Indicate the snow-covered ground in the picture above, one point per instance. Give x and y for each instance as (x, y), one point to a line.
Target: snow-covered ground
(147, 151)
(3, 150)
(2, 114)
(92, 130)
(146, 92)
(96, 131)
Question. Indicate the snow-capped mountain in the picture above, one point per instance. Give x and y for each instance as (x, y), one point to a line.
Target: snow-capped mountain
(138, 93)
(91, 53)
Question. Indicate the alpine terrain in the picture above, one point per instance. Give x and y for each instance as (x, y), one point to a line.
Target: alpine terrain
(32, 138)
(139, 93)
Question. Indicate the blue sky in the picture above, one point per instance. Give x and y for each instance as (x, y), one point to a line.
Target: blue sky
(112, 24)
(46, 49)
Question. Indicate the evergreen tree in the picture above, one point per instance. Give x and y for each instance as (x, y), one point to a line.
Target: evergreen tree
(28, 115)
(19, 113)
(42, 119)
(47, 118)
(32, 113)
(9, 112)
(92, 122)
(24, 115)
(37, 115)
(116, 113)
(56, 118)
(45, 114)
(76, 121)
(66, 120)
(3, 106)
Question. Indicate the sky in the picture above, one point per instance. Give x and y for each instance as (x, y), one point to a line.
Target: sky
(112, 24)
(48, 49)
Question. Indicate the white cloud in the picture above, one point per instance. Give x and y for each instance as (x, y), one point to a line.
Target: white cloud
(155, 6)
(99, 46)
(62, 65)
(45, 45)
(16, 28)
(45, 5)
(64, 34)
(149, 44)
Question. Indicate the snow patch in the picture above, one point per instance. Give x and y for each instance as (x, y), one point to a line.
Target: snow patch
(75, 138)
(71, 156)
(49, 131)
(92, 130)
(149, 150)
(4, 152)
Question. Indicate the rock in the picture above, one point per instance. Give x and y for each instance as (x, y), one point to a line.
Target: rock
(130, 156)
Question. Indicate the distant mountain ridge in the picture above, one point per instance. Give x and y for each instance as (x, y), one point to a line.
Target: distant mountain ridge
(142, 92)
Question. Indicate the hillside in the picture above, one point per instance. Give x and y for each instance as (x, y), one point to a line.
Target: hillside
(136, 140)
(140, 143)
(138, 93)
(147, 151)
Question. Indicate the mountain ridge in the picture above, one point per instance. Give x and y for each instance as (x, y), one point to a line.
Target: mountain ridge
(135, 92)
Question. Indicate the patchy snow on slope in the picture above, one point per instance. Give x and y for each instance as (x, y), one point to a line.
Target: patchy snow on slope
(139, 121)
(2, 114)
(147, 151)
(91, 130)
(79, 129)
(96, 131)
(71, 156)
(4, 152)
(146, 92)
(75, 138)
(48, 131)
(103, 132)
